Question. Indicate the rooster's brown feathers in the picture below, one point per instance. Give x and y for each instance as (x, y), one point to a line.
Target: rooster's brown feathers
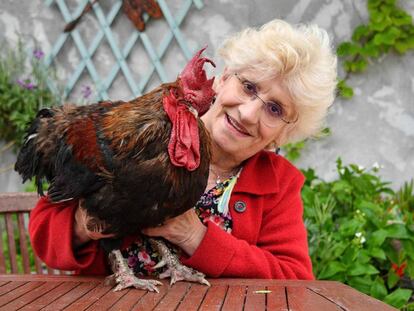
(115, 156)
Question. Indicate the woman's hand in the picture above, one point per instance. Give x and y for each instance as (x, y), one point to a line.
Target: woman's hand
(81, 234)
(186, 231)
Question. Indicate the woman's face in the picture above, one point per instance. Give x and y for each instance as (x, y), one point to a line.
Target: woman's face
(237, 122)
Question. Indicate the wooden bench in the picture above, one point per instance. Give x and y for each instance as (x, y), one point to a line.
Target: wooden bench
(15, 250)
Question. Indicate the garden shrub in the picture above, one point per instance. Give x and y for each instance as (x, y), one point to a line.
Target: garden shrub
(23, 90)
(361, 232)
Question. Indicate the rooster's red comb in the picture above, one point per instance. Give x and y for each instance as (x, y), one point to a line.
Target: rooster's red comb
(197, 89)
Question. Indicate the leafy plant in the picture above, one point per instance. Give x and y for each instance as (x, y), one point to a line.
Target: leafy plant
(390, 28)
(23, 90)
(292, 151)
(405, 197)
(359, 234)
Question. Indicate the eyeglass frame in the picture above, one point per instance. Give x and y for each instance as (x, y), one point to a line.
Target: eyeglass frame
(254, 94)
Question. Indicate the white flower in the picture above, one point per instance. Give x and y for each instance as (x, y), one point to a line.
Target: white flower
(361, 168)
(376, 165)
(361, 239)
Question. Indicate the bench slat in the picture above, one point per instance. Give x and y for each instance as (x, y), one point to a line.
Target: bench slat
(11, 245)
(17, 201)
(2, 259)
(23, 242)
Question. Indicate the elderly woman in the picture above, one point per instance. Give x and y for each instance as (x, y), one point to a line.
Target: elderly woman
(276, 88)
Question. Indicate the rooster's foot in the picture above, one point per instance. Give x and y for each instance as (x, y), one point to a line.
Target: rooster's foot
(125, 277)
(179, 272)
(175, 269)
(126, 280)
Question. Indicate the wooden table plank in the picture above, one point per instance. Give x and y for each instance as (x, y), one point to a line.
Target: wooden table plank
(194, 298)
(234, 298)
(214, 298)
(213, 282)
(10, 286)
(276, 300)
(3, 283)
(128, 301)
(173, 297)
(71, 296)
(51, 278)
(150, 299)
(107, 300)
(51, 296)
(255, 301)
(303, 299)
(17, 292)
(89, 298)
(345, 296)
(265, 282)
(29, 296)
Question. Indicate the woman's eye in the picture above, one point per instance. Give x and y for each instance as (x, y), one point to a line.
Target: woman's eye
(274, 109)
(249, 88)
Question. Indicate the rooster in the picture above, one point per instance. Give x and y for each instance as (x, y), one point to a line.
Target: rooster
(131, 164)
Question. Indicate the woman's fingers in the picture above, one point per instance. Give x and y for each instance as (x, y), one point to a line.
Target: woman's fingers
(185, 231)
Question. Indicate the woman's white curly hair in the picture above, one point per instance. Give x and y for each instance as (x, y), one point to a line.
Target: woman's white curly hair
(301, 55)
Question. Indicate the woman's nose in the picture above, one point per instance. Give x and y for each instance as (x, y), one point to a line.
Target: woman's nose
(250, 110)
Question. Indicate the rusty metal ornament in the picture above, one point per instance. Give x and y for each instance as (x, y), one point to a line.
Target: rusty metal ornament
(134, 10)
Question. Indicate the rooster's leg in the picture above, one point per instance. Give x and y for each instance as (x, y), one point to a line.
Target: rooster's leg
(125, 277)
(175, 269)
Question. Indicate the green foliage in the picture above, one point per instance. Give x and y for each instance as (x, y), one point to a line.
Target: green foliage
(344, 89)
(32, 187)
(389, 29)
(292, 151)
(360, 232)
(405, 197)
(23, 90)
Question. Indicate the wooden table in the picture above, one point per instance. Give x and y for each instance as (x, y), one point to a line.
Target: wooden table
(35, 292)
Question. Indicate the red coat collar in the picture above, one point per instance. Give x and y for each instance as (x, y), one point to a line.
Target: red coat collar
(259, 175)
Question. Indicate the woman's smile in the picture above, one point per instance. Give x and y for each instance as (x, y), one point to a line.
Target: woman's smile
(236, 127)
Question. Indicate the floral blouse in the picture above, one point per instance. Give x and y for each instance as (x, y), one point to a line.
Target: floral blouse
(142, 257)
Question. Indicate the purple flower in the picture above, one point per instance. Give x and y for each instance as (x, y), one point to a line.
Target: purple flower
(30, 85)
(20, 82)
(86, 91)
(38, 53)
(26, 84)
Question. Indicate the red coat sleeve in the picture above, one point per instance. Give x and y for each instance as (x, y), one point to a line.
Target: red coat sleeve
(281, 251)
(50, 230)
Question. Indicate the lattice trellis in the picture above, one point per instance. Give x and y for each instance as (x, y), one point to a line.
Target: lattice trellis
(103, 83)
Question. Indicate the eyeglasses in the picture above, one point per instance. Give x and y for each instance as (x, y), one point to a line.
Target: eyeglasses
(272, 111)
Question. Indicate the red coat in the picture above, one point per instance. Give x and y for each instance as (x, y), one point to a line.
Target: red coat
(268, 239)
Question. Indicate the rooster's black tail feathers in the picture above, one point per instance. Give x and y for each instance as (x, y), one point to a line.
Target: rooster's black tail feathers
(29, 159)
